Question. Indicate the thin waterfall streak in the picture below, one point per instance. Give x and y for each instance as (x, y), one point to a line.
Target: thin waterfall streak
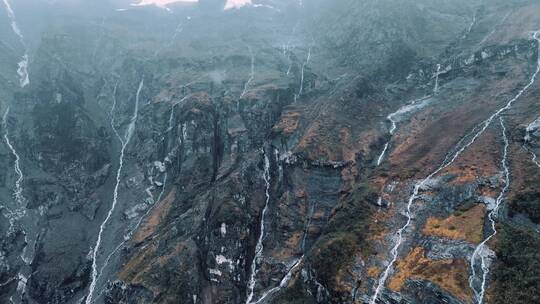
(381, 156)
(534, 158)
(251, 73)
(282, 284)
(409, 107)
(447, 162)
(482, 249)
(20, 211)
(20, 177)
(436, 88)
(127, 136)
(260, 247)
(300, 91)
(22, 69)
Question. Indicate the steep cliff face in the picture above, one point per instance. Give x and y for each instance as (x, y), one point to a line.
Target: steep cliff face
(376, 152)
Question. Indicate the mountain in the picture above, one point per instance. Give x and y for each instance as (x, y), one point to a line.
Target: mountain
(320, 151)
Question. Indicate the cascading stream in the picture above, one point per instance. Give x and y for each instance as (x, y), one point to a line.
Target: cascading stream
(17, 214)
(482, 251)
(129, 235)
(447, 162)
(22, 71)
(20, 177)
(393, 118)
(436, 89)
(532, 127)
(469, 29)
(251, 73)
(124, 142)
(283, 283)
(301, 90)
(287, 49)
(179, 29)
(291, 266)
(259, 247)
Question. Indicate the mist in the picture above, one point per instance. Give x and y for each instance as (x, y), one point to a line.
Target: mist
(269, 151)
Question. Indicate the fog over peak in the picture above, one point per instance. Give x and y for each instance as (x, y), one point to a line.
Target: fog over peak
(163, 3)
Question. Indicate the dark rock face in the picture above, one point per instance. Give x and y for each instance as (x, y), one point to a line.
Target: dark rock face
(268, 154)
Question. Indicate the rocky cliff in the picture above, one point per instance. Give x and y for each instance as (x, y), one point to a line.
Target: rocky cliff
(282, 152)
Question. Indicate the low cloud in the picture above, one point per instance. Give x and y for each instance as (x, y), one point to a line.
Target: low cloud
(162, 3)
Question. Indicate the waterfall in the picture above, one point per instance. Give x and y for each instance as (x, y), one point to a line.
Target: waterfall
(124, 142)
(450, 158)
(395, 117)
(482, 251)
(22, 70)
(436, 88)
(18, 213)
(259, 247)
(251, 73)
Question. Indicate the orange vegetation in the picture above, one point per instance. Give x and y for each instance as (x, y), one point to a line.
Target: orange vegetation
(373, 272)
(135, 269)
(466, 226)
(288, 123)
(479, 160)
(151, 223)
(451, 275)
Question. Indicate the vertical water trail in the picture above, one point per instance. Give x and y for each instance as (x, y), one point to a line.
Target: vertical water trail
(179, 29)
(300, 91)
(482, 251)
(124, 142)
(469, 29)
(22, 71)
(20, 177)
(447, 162)
(393, 119)
(486, 38)
(308, 223)
(283, 283)
(259, 247)
(18, 213)
(436, 89)
(381, 156)
(534, 157)
(128, 236)
(288, 49)
(251, 73)
(532, 127)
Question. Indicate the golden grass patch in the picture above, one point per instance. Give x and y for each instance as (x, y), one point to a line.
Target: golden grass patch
(450, 275)
(466, 226)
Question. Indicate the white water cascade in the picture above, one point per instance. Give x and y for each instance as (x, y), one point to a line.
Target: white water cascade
(301, 90)
(17, 214)
(259, 248)
(20, 177)
(436, 89)
(22, 71)
(410, 107)
(129, 235)
(469, 29)
(395, 117)
(283, 283)
(447, 162)
(251, 73)
(124, 142)
(532, 127)
(482, 251)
